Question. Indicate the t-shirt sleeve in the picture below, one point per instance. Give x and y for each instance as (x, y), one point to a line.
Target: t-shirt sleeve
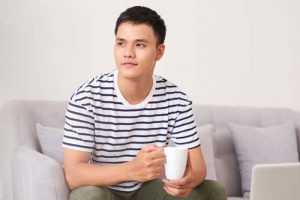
(79, 128)
(184, 133)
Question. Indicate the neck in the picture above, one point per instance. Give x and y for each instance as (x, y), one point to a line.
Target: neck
(135, 91)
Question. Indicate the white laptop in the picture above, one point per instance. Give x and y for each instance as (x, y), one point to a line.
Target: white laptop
(275, 182)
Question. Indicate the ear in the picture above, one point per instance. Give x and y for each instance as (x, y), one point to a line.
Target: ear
(160, 51)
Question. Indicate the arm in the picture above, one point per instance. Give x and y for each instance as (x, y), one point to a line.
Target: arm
(194, 175)
(147, 165)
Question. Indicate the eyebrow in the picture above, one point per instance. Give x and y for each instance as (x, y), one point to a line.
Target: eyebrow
(137, 40)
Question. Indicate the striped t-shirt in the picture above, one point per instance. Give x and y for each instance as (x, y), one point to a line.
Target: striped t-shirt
(99, 120)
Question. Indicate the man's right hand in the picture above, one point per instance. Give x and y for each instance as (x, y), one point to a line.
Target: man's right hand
(148, 164)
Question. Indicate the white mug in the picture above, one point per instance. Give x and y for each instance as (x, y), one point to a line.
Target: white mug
(176, 159)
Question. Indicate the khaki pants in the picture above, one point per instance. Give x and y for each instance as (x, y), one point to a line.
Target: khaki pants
(152, 190)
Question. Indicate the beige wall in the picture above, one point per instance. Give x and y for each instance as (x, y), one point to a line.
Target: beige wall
(235, 52)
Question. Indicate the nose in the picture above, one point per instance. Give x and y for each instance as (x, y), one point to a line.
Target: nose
(129, 51)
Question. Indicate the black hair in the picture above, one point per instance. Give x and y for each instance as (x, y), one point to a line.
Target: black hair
(144, 15)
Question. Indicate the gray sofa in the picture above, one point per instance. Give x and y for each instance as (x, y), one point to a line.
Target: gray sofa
(27, 174)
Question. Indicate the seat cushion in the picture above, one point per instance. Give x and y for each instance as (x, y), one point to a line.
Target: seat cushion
(236, 198)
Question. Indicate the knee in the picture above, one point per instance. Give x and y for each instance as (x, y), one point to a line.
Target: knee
(89, 193)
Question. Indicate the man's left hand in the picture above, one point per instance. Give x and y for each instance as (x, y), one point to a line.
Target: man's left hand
(181, 187)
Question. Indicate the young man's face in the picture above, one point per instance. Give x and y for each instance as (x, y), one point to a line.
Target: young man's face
(136, 51)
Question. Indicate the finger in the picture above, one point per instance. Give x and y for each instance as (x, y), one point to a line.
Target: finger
(158, 162)
(166, 188)
(159, 170)
(170, 183)
(176, 192)
(180, 183)
(157, 155)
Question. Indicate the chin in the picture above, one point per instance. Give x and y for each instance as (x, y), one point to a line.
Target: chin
(128, 74)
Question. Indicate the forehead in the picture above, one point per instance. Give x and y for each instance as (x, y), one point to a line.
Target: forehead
(130, 31)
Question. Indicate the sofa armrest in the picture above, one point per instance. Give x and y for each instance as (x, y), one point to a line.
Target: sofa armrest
(36, 176)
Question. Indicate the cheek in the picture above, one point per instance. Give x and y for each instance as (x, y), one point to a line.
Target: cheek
(117, 54)
(147, 56)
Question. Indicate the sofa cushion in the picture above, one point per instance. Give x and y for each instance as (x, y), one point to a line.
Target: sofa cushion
(206, 134)
(263, 145)
(50, 140)
(237, 198)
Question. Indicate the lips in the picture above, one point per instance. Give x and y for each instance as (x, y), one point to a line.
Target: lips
(129, 64)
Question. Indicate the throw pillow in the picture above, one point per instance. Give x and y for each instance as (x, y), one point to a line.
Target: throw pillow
(50, 141)
(263, 145)
(205, 134)
(206, 137)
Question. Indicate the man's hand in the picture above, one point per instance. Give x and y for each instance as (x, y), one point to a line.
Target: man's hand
(148, 164)
(181, 187)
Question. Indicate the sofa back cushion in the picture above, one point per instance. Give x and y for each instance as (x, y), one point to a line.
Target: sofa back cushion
(267, 145)
(226, 164)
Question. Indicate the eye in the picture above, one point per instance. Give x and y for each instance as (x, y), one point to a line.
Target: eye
(121, 44)
(140, 45)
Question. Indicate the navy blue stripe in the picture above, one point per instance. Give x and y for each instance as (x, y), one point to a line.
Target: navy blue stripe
(80, 127)
(77, 113)
(81, 107)
(166, 100)
(132, 142)
(178, 120)
(77, 106)
(76, 145)
(78, 139)
(96, 93)
(186, 136)
(185, 111)
(165, 87)
(105, 162)
(97, 100)
(134, 110)
(133, 123)
(119, 156)
(130, 130)
(180, 125)
(161, 81)
(91, 81)
(101, 87)
(174, 133)
(105, 81)
(118, 150)
(137, 116)
(85, 134)
(105, 74)
(131, 136)
(189, 142)
(79, 120)
(164, 94)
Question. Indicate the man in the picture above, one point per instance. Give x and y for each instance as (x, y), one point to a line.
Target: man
(117, 123)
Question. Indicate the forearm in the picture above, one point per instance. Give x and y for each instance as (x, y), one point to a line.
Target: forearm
(200, 175)
(90, 174)
(146, 166)
(198, 166)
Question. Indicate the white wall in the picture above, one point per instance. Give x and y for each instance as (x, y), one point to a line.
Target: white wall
(234, 52)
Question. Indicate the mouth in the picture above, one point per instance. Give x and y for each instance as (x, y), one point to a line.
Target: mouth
(128, 64)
